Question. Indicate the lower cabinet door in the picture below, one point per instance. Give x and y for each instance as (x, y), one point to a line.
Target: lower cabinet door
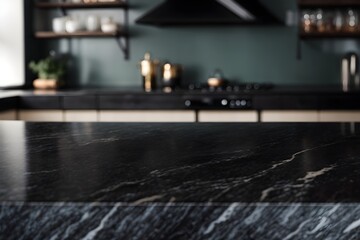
(147, 116)
(81, 115)
(289, 116)
(8, 115)
(228, 116)
(339, 116)
(41, 115)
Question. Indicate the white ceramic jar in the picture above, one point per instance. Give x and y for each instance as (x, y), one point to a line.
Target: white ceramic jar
(72, 25)
(108, 25)
(58, 24)
(93, 23)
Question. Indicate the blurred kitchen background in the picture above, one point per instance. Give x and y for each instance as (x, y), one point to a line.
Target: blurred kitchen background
(260, 53)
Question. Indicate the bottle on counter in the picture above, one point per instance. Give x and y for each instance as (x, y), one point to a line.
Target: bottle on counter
(171, 76)
(350, 78)
(148, 72)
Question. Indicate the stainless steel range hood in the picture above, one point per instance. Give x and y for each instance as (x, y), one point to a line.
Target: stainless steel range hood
(208, 12)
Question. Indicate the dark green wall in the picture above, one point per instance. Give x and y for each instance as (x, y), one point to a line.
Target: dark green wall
(247, 54)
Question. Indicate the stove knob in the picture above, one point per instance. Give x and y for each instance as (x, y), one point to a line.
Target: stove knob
(243, 103)
(224, 102)
(187, 103)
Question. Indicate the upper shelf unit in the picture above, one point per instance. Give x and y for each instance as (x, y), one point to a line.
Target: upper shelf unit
(329, 19)
(121, 35)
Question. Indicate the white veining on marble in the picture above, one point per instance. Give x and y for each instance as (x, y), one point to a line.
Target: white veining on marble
(289, 213)
(292, 157)
(221, 160)
(101, 140)
(41, 172)
(54, 237)
(73, 226)
(324, 221)
(92, 234)
(265, 193)
(310, 176)
(352, 226)
(255, 215)
(297, 231)
(226, 215)
(333, 210)
(147, 212)
(268, 170)
(115, 187)
(148, 199)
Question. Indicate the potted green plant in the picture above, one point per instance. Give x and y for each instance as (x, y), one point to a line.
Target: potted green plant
(50, 71)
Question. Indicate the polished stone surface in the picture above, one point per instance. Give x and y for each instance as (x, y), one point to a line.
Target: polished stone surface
(179, 181)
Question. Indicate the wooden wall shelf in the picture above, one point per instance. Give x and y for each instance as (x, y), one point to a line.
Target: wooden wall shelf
(329, 35)
(82, 34)
(121, 37)
(328, 3)
(47, 5)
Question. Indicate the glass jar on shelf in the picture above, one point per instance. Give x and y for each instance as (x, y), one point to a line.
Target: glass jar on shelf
(338, 21)
(352, 21)
(328, 21)
(320, 24)
(308, 21)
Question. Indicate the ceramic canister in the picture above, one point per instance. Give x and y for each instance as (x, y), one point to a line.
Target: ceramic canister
(93, 23)
(72, 25)
(58, 24)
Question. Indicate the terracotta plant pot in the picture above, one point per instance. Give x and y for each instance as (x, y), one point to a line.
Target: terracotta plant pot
(46, 84)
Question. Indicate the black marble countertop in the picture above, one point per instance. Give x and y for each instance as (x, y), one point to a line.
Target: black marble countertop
(179, 181)
(278, 98)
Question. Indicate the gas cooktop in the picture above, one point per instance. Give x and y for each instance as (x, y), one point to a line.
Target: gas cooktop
(229, 96)
(230, 88)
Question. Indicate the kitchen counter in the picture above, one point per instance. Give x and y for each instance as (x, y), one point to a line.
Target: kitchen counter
(279, 98)
(179, 181)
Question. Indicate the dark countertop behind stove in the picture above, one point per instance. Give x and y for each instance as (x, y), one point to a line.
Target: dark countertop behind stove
(276, 98)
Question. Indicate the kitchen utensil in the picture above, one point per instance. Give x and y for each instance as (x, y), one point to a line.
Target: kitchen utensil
(171, 76)
(217, 79)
